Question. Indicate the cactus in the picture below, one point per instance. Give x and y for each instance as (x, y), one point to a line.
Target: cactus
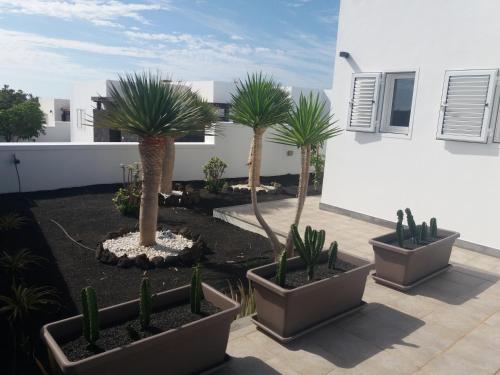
(433, 228)
(281, 271)
(309, 249)
(400, 230)
(196, 290)
(411, 225)
(332, 254)
(90, 315)
(424, 232)
(146, 303)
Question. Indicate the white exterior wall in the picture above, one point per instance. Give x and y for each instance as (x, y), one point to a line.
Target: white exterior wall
(376, 174)
(47, 166)
(60, 132)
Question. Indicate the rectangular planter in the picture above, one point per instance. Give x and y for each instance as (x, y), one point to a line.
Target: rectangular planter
(188, 349)
(289, 312)
(404, 267)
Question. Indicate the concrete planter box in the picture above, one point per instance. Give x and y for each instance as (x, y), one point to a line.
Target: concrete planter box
(188, 349)
(289, 313)
(404, 268)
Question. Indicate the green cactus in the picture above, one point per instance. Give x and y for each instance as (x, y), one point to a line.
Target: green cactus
(433, 228)
(309, 249)
(90, 315)
(146, 303)
(281, 271)
(196, 290)
(332, 255)
(411, 225)
(400, 230)
(424, 232)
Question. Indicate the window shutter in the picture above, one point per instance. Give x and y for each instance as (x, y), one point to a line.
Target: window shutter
(363, 103)
(466, 105)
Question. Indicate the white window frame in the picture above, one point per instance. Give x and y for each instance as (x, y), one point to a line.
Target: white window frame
(485, 129)
(389, 80)
(374, 117)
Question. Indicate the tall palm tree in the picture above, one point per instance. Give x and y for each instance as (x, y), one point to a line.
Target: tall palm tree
(205, 124)
(259, 103)
(146, 105)
(309, 125)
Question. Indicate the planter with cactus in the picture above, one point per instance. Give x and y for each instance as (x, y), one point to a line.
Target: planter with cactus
(297, 295)
(180, 331)
(413, 253)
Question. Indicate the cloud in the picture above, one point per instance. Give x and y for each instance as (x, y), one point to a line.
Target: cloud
(98, 12)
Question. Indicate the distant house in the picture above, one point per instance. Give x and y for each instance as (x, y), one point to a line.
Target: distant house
(57, 120)
(416, 88)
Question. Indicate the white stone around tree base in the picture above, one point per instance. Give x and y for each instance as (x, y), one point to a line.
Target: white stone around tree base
(266, 188)
(167, 244)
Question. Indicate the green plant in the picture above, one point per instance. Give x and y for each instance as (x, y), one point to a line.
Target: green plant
(12, 221)
(318, 162)
(433, 228)
(90, 315)
(196, 290)
(281, 269)
(244, 296)
(128, 198)
(146, 303)
(400, 229)
(214, 171)
(309, 125)
(18, 262)
(411, 225)
(424, 232)
(309, 249)
(332, 255)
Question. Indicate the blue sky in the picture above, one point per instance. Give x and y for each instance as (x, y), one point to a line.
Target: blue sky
(47, 45)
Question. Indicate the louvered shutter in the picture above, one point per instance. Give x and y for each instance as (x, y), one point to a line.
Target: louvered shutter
(363, 103)
(466, 105)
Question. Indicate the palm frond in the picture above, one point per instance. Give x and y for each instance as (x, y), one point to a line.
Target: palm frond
(259, 102)
(309, 124)
(147, 105)
(24, 301)
(11, 221)
(20, 261)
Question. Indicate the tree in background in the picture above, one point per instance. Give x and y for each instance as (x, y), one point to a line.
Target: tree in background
(151, 108)
(259, 103)
(20, 115)
(308, 126)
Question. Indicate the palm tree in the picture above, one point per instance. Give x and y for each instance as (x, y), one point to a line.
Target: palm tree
(259, 103)
(206, 124)
(146, 105)
(309, 125)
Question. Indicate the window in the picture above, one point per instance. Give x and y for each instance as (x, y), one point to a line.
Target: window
(363, 103)
(398, 102)
(466, 105)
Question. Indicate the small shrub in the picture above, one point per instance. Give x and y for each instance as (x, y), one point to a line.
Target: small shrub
(433, 228)
(146, 303)
(318, 162)
(419, 234)
(332, 255)
(196, 290)
(281, 269)
(90, 315)
(128, 198)
(20, 261)
(214, 170)
(11, 221)
(244, 296)
(400, 230)
(309, 249)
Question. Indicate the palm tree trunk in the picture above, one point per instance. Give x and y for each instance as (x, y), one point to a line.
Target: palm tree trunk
(152, 151)
(305, 161)
(167, 172)
(255, 157)
(275, 244)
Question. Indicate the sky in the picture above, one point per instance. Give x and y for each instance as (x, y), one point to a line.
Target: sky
(48, 45)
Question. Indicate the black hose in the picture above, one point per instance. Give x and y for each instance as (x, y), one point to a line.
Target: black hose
(16, 161)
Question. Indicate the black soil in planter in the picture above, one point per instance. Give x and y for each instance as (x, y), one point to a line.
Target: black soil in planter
(126, 332)
(298, 277)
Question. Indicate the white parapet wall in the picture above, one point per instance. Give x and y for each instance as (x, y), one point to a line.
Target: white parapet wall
(48, 166)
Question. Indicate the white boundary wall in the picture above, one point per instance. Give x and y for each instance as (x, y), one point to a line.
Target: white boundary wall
(47, 166)
(376, 174)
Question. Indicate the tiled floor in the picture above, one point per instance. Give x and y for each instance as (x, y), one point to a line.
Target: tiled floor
(449, 325)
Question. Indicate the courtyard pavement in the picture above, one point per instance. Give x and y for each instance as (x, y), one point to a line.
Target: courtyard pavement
(448, 325)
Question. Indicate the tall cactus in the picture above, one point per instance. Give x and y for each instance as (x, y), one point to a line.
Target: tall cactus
(332, 255)
(309, 249)
(146, 303)
(281, 271)
(424, 232)
(411, 225)
(196, 290)
(400, 229)
(433, 228)
(90, 315)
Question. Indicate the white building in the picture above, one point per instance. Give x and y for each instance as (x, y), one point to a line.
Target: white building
(57, 120)
(418, 94)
